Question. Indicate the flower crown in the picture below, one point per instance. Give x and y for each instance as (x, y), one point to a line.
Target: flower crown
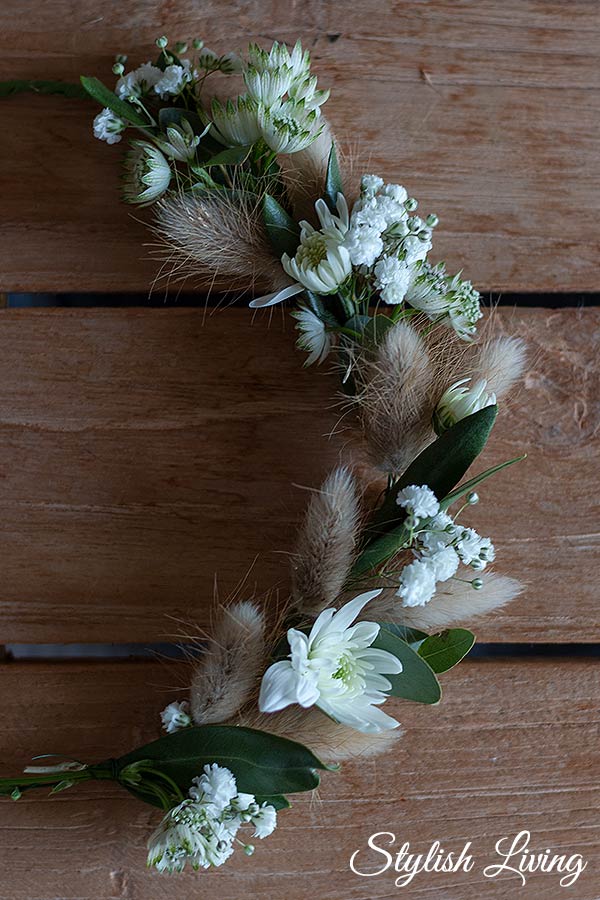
(251, 196)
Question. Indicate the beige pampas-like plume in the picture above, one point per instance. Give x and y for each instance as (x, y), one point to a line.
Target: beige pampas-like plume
(454, 601)
(304, 173)
(329, 740)
(501, 361)
(219, 240)
(326, 544)
(395, 399)
(230, 668)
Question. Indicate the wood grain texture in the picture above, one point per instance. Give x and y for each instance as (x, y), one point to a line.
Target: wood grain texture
(488, 112)
(513, 746)
(144, 452)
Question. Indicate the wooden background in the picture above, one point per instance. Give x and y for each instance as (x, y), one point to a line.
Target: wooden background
(142, 450)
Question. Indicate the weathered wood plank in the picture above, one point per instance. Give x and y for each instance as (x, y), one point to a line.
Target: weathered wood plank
(143, 452)
(513, 747)
(478, 107)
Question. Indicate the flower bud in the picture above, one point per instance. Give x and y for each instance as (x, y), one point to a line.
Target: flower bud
(460, 401)
(118, 68)
(161, 42)
(432, 220)
(472, 498)
(411, 204)
(181, 47)
(477, 584)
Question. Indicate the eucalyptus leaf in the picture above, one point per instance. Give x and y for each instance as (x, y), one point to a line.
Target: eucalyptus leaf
(64, 88)
(232, 156)
(283, 232)
(408, 635)
(440, 466)
(468, 486)
(376, 330)
(445, 650)
(333, 180)
(380, 549)
(106, 97)
(417, 681)
(262, 763)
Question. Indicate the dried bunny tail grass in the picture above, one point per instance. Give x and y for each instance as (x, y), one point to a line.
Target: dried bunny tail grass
(454, 601)
(326, 543)
(229, 670)
(219, 240)
(501, 361)
(329, 740)
(394, 399)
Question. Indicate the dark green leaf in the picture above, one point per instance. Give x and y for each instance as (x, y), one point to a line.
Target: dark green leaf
(262, 763)
(473, 482)
(376, 330)
(19, 86)
(333, 180)
(380, 549)
(175, 115)
(232, 156)
(283, 232)
(417, 681)
(445, 650)
(317, 304)
(276, 800)
(406, 634)
(441, 465)
(106, 97)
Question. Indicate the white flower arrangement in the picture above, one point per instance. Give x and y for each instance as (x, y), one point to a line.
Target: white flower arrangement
(250, 194)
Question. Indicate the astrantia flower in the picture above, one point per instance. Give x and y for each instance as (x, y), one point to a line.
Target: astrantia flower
(460, 401)
(289, 127)
(268, 86)
(236, 122)
(314, 336)
(202, 829)
(298, 61)
(176, 716)
(181, 141)
(418, 500)
(306, 91)
(335, 668)
(147, 173)
(417, 583)
(108, 127)
(445, 299)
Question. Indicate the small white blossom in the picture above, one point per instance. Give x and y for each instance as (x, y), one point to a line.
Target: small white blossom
(336, 668)
(174, 79)
(460, 401)
(314, 336)
(445, 563)
(370, 184)
(265, 821)
(396, 191)
(108, 127)
(417, 583)
(392, 277)
(437, 535)
(138, 82)
(364, 244)
(217, 786)
(181, 141)
(176, 716)
(420, 501)
(474, 550)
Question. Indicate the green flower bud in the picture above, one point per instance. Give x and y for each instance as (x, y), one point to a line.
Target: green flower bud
(161, 42)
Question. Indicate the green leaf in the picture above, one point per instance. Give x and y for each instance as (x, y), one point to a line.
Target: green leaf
(232, 156)
(276, 800)
(175, 115)
(379, 550)
(376, 330)
(283, 232)
(18, 86)
(106, 97)
(417, 681)
(262, 763)
(468, 486)
(445, 650)
(406, 634)
(441, 465)
(333, 180)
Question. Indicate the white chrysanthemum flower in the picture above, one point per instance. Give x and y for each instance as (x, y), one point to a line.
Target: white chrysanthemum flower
(392, 277)
(314, 337)
(459, 401)
(108, 127)
(236, 122)
(289, 127)
(364, 244)
(181, 141)
(264, 821)
(147, 173)
(474, 550)
(268, 87)
(138, 82)
(217, 786)
(176, 716)
(370, 185)
(417, 583)
(335, 668)
(418, 500)
(444, 563)
(174, 79)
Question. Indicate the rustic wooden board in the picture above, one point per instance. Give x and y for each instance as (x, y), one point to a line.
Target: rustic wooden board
(512, 747)
(486, 111)
(143, 452)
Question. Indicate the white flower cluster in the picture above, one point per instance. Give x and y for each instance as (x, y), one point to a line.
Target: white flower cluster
(282, 103)
(176, 716)
(385, 237)
(108, 127)
(440, 544)
(445, 298)
(202, 830)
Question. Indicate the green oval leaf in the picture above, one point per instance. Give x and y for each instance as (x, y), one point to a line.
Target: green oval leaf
(106, 97)
(262, 763)
(18, 86)
(283, 232)
(445, 650)
(417, 681)
(232, 156)
(333, 180)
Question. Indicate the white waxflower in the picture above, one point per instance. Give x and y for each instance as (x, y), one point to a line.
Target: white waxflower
(417, 583)
(264, 821)
(392, 277)
(444, 563)
(236, 122)
(174, 79)
(335, 668)
(138, 82)
(176, 716)
(289, 127)
(364, 244)
(108, 127)
(370, 184)
(459, 401)
(216, 785)
(418, 500)
(397, 192)
(314, 337)
(147, 173)
(269, 86)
